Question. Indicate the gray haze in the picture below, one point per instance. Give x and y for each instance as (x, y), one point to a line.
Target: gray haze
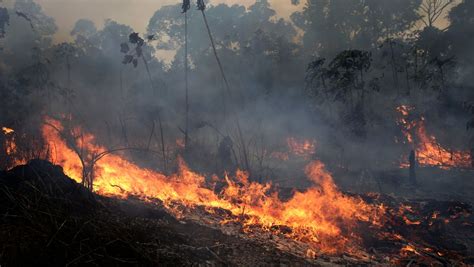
(332, 71)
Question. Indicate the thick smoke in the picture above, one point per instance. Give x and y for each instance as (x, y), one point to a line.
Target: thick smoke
(335, 73)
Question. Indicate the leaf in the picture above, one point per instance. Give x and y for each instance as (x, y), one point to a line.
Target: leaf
(127, 59)
(124, 48)
(134, 38)
(186, 6)
(135, 63)
(201, 5)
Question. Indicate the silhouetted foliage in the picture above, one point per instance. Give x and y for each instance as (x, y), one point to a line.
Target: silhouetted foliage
(339, 70)
(4, 19)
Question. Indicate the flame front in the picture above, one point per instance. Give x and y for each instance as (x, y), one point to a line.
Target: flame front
(429, 151)
(322, 216)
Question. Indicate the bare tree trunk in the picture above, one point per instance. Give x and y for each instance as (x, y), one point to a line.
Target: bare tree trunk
(229, 92)
(394, 68)
(186, 127)
(124, 129)
(408, 80)
(162, 144)
(151, 135)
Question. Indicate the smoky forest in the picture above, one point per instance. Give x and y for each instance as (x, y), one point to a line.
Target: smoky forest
(237, 133)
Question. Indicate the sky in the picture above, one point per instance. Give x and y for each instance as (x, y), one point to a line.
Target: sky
(134, 13)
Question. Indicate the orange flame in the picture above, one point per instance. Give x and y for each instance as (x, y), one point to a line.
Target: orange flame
(7, 130)
(428, 150)
(180, 143)
(10, 148)
(10, 144)
(409, 249)
(322, 216)
(302, 148)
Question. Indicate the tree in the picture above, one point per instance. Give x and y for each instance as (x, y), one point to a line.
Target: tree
(4, 19)
(461, 35)
(331, 26)
(344, 80)
(432, 10)
(29, 10)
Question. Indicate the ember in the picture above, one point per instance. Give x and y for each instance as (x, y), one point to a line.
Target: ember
(302, 148)
(10, 140)
(7, 130)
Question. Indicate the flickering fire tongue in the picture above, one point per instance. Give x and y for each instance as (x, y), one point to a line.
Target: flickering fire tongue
(321, 216)
(11, 148)
(10, 140)
(7, 130)
(428, 150)
(303, 148)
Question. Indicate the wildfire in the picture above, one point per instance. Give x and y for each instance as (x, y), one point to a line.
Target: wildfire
(10, 149)
(322, 216)
(10, 144)
(7, 130)
(429, 151)
(404, 211)
(180, 143)
(409, 249)
(303, 148)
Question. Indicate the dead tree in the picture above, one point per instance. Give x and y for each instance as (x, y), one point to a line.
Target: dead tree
(225, 154)
(230, 95)
(88, 159)
(433, 9)
(186, 6)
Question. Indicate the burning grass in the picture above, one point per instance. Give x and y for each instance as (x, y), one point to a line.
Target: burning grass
(321, 216)
(429, 151)
(319, 224)
(50, 220)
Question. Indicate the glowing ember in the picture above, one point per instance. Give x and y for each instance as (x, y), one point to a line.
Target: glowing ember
(10, 148)
(409, 249)
(404, 211)
(322, 216)
(428, 151)
(10, 144)
(180, 143)
(7, 130)
(283, 156)
(303, 148)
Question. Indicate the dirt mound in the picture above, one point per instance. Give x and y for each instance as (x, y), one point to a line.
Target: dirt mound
(47, 183)
(47, 219)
